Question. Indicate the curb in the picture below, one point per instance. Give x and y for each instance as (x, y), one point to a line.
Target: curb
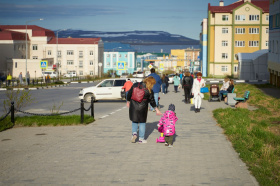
(34, 88)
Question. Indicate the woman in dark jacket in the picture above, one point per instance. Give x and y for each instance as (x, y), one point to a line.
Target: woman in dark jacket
(138, 112)
(187, 85)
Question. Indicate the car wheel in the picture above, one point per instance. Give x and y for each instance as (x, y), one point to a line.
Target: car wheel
(87, 98)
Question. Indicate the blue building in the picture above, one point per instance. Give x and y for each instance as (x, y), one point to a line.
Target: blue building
(119, 57)
(203, 46)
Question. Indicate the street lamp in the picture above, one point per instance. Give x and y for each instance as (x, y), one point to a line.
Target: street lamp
(57, 64)
(26, 49)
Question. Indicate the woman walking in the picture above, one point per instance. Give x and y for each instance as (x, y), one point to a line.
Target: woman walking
(163, 85)
(138, 111)
(187, 85)
(197, 95)
(176, 80)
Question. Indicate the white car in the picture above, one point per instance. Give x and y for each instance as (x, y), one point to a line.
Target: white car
(170, 76)
(70, 74)
(51, 73)
(140, 74)
(108, 89)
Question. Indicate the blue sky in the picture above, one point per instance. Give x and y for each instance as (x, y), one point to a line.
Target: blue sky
(174, 16)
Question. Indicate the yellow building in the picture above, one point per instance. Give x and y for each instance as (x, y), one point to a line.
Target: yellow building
(180, 54)
(241, 27)
(185, 57)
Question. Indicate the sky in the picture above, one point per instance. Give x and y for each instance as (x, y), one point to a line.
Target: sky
(181, 17)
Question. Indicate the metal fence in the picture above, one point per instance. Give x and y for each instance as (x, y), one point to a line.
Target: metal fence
(16, 82)
(82, 109)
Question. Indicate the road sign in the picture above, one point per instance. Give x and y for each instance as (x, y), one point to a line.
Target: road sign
(121, 65)
(100, 64)
(44, 64)
(150, 66)
(161, 66)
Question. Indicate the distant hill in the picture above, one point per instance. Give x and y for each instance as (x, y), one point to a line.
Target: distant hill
(133, 37)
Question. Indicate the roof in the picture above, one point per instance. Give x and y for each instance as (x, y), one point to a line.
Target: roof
(75, 40)
(251, 56)
(263, 4)
(36, 30)
(11, 35)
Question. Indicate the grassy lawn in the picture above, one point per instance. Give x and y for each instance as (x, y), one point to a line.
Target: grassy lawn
(29, 121)
(255, 135)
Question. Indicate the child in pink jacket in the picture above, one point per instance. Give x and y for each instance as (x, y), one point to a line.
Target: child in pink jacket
(167, 125)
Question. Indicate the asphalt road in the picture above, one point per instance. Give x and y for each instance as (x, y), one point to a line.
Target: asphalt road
(66, 98)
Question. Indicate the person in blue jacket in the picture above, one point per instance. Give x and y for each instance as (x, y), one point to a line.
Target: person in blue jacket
(156, 87)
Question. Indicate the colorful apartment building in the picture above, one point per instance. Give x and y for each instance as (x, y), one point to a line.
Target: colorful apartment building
(65, 54)
(241, 27)
(186, 58)
(274, 42)
(203, 47)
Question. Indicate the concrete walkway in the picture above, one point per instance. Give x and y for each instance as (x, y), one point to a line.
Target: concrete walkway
(101, 153)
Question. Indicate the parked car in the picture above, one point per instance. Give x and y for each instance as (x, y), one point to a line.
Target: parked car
(140, 74)
(52, 74)
(108, 89)
(134, 74)
(124, 75)
(71, 74)
(170, 76)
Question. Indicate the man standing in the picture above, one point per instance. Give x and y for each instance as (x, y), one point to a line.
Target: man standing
(9, 78)
(127, 86)
(156, 87)
(27, 77)
(20, 78)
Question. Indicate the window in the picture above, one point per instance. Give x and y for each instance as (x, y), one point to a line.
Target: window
(225, 17)
(91, 73)
(91, 62)
(91, 53)
(240, 30)
(254, 30)
(276, 47)
(107, 83)
(266, 30)
(266, 43)
(70, 62)
(35, 47)
(59, 53)
(114, 55)
(49, 52)
(81, 73)
(80, 64)
(254, 17)
(239, 43)
(224, 43)
(224, 55)
(108, 55)
(70, 52)
(235, 68)
(253, 43)
(119, 83)
(125, 55)
(15, 64)
(224, 69)
(224, 30)
(35, 57)
(120, 55)
(239, 17)
(267, 17)
(80, 54)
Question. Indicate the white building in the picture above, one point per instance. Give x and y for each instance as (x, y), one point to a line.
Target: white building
(67, 54)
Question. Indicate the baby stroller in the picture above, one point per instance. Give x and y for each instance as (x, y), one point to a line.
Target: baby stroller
(214, 93)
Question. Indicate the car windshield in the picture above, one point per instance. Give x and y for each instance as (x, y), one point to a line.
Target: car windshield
(139, 72)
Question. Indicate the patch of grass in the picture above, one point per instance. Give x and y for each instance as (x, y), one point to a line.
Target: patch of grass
(29, 121)
(255, 135)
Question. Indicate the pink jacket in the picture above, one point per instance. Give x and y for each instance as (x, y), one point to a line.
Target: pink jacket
(167, 123)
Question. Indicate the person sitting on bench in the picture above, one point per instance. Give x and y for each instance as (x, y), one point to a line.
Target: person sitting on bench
(229, 89)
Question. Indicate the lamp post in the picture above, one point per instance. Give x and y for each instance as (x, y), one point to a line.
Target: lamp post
(57, 64)
(26, 49)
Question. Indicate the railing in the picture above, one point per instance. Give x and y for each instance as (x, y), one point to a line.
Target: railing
(82, 108)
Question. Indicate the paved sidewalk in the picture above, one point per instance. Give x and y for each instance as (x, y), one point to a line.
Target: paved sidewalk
(101, 153)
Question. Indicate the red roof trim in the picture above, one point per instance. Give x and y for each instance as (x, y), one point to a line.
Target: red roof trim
(75, 40)
(12, 35)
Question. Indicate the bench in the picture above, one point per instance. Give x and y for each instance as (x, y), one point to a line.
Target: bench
(244, 98)
(225, 93)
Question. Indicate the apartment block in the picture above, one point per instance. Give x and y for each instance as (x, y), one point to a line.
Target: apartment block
(241, 27)
(274, 42)
(63, 54)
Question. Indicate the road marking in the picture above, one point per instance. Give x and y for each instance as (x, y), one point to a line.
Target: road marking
(103, 116)
(118, 109)
(112, 112)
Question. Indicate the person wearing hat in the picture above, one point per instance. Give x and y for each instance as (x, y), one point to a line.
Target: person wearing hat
(198, 83)
(167, 122)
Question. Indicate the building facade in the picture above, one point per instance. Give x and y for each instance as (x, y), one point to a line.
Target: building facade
(203, 47)
(241, 27)
(63, 54)
(274, 42)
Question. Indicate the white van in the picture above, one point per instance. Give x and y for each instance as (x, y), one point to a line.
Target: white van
(70, 74)
(52, 74)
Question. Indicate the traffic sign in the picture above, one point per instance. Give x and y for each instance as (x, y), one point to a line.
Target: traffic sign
(44, 64)
(121, 65)
(150, 66)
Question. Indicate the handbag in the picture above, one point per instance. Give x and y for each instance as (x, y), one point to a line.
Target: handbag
(138, 93)
(204, 90)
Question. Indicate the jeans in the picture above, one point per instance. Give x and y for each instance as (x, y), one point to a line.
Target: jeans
(163, 87)
(166, 89)
(221, 93)
(176, 88)
(156, 99)
(142, 128)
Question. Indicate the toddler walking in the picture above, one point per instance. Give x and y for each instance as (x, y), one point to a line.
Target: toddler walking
(167, 125)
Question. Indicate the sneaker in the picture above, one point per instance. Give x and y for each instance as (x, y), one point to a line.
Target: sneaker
(196, 110)
(154, 110)
(166, 144)
(142, 141)
(170, 146)
(133, 138)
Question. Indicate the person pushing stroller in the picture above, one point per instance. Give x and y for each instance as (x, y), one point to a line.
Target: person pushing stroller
(167, 125)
